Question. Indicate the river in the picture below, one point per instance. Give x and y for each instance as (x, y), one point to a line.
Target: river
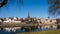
(13, 30)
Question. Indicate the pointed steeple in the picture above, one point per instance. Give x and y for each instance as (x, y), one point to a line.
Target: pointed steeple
(28, 14)
(48, 17)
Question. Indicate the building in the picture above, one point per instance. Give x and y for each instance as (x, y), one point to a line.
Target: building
(58, 22)
(16, 20)
(49, 23)
(7, 20)
(11, 20)
(1, 20)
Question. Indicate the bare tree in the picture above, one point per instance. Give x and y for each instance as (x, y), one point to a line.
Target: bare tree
(54, 7)
(4, 2)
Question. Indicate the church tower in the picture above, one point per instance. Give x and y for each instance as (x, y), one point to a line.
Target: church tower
(48, 17)
(28, 14)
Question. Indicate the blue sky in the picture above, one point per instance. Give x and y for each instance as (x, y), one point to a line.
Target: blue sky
(37, 8)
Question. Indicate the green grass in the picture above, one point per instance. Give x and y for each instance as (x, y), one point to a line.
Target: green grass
(43, 32)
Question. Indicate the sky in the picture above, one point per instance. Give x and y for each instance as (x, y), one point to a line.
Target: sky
(37, 8)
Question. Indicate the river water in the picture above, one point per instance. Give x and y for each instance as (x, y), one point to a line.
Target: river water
(13, 30)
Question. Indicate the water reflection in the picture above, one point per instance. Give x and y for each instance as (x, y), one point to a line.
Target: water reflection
(13, 30)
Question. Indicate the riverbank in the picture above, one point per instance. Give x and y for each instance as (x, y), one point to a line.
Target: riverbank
(43, 32)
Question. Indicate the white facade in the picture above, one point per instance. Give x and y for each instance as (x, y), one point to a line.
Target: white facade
(16, 21)
(48, 23)
(8, 20)
(15, 18)
(0, 20)
(43, 21)
(12, 21)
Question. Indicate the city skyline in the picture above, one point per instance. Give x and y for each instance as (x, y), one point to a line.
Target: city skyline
(37, 8)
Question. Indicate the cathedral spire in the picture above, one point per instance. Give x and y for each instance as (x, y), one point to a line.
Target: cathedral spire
(28, 14)
(48, 16)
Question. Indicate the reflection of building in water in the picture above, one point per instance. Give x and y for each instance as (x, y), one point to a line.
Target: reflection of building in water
(13, 29)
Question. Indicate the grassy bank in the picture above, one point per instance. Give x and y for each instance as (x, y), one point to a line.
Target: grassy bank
(43, 32)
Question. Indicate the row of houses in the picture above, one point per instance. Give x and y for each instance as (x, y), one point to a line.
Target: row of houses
(17, 20)
(11, 20)
(49, 23)
(29, 20)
